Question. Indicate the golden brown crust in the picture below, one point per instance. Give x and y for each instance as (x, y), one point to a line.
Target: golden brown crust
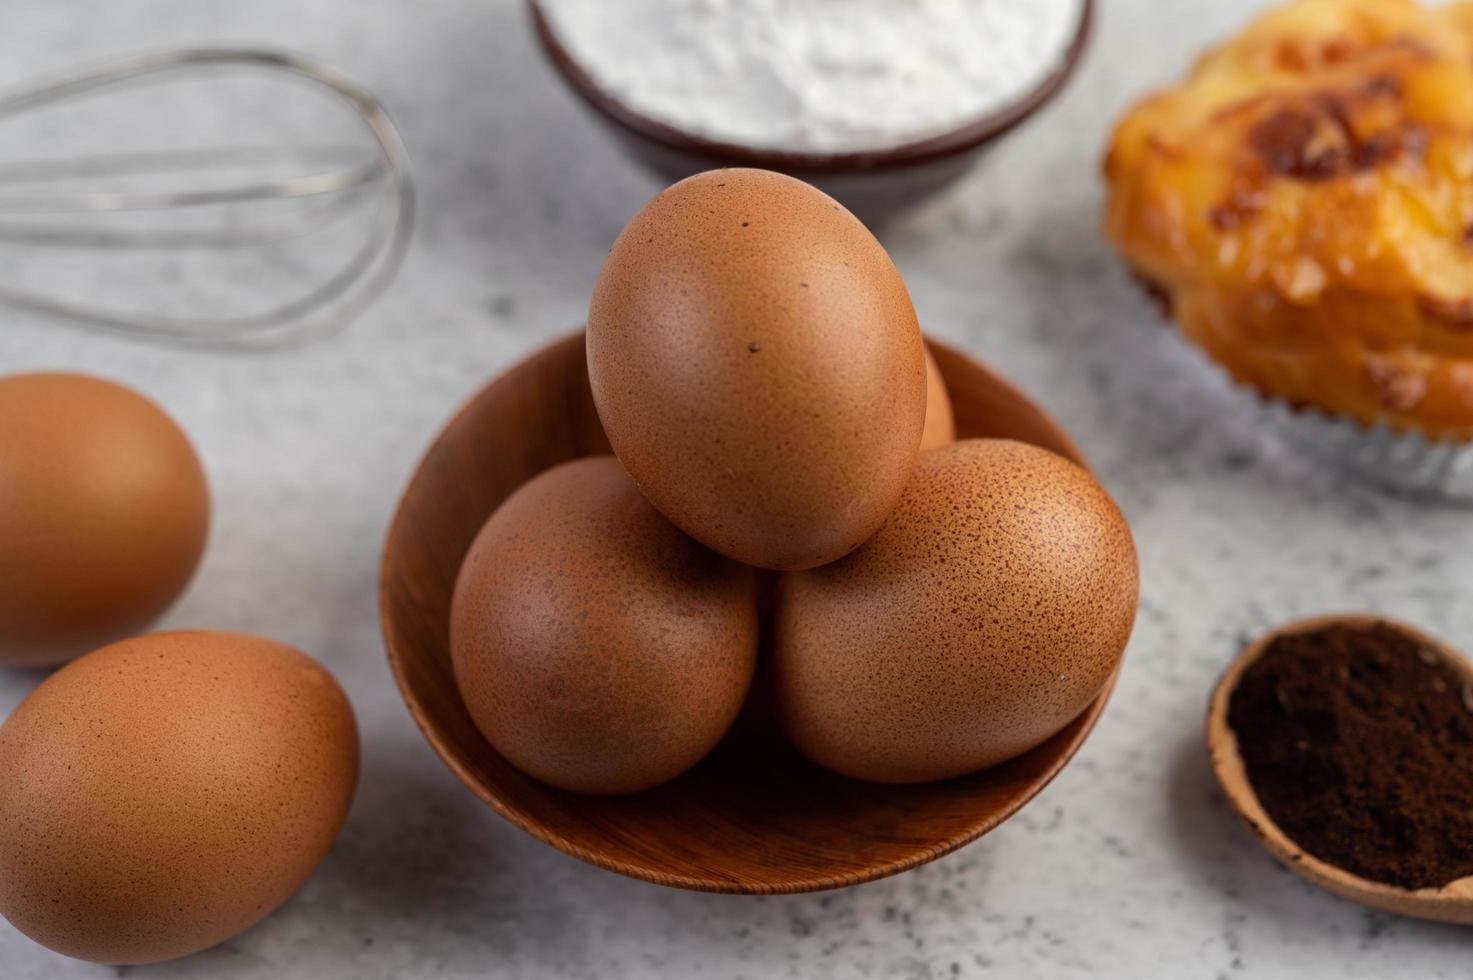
(1304, 204)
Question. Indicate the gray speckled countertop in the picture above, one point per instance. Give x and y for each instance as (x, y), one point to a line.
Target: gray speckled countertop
(1128, 865)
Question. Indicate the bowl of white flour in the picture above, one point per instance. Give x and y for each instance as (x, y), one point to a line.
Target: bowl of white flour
(879, 102)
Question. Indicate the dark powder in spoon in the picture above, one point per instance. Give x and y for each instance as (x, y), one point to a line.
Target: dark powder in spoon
(1358, 741)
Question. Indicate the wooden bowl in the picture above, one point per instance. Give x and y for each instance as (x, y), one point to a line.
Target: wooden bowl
(754, 817)
(873, 184)
(1450, 903)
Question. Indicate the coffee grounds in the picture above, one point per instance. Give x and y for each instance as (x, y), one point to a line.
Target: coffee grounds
(1359, 744)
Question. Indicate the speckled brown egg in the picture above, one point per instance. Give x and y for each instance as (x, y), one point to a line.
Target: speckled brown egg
(597, 647)
(103, 515)
(164, 793)
(940, 428)
(757, 365)
(988, 612)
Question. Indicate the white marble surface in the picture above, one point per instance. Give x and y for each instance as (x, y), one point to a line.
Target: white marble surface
(1128, 865)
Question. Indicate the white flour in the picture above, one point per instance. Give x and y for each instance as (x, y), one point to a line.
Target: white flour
(815, 75)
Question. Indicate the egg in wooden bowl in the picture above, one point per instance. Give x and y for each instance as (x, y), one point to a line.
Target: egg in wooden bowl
(754, 816)
(595, 645)
(989, 610)
(758, 367)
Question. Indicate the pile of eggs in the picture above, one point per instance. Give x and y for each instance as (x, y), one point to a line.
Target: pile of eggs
(787, 516)
(164, 792)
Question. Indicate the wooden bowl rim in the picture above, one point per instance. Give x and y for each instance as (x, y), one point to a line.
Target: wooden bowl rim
(1451, 902)
(959, 140)
(1083, 724)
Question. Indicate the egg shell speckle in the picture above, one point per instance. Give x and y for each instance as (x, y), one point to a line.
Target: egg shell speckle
(163, 794)
(597, 647)
(104, 513)
(987, 613)
(756, 362)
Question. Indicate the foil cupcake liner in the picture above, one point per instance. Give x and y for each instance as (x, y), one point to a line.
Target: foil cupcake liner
(1404, 463)
(1407, 464)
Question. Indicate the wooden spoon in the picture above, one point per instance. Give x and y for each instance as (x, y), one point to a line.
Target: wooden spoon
(1450, 903)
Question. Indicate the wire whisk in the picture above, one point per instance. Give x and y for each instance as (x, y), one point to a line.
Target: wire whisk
(64, 203)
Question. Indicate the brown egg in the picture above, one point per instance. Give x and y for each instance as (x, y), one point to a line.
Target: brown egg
(596, 647)
(940, 428)
(163, 794)
(103, 515)
(756, 362)
(987, 613)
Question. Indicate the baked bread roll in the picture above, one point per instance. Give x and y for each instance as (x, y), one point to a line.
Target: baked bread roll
(1303, 205)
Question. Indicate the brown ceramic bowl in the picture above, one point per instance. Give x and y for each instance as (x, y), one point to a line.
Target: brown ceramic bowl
(873, 184)
(753, 817)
